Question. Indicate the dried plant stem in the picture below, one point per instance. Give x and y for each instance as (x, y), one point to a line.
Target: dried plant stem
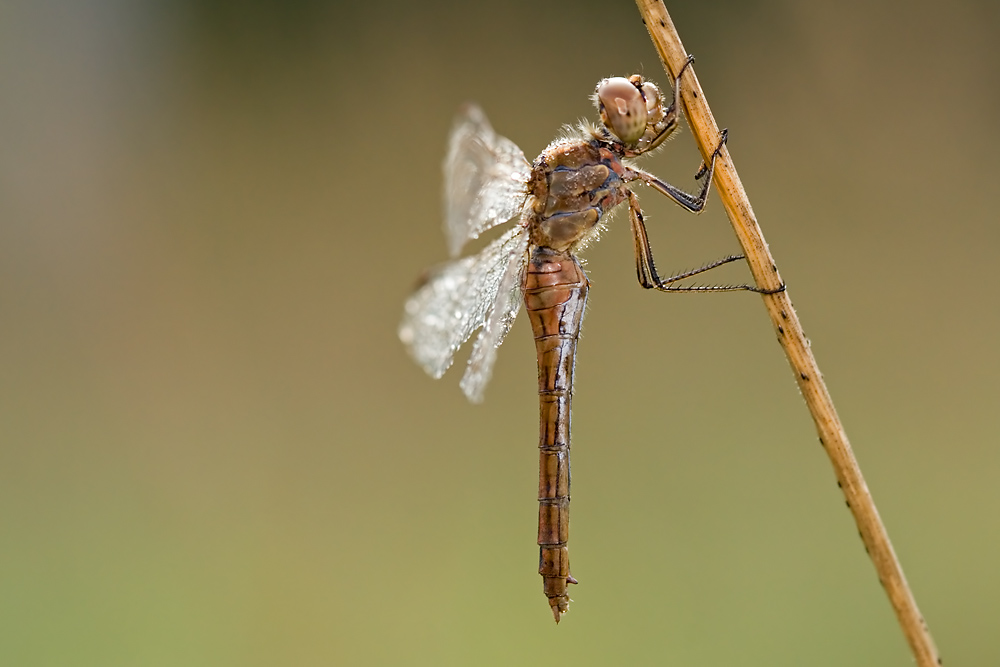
(791, 337)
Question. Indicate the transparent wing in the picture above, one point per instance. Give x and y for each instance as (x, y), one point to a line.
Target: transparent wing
(484, 179)
(458, 298)
(501, 319)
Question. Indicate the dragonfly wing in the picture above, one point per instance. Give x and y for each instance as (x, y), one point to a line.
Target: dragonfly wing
(499, 322)
(455, 300)
(484, 179)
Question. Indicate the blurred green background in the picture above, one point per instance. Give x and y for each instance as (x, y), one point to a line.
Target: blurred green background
(214, 451)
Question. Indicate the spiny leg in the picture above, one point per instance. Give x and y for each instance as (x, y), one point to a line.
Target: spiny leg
(693, 203)
(646, 270)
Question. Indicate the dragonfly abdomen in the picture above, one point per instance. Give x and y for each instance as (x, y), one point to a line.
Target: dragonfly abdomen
(555, 292)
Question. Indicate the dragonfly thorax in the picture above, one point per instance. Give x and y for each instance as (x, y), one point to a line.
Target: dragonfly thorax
(573, 184)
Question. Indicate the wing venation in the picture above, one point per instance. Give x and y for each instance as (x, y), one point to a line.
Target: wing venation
(461, 296)
(485, 177)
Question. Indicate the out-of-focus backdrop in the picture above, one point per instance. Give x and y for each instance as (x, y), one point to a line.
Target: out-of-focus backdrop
(214, 450)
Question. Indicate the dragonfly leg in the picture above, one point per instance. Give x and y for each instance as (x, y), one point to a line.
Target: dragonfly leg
(671, 113)
(646, 269)
(693, 203)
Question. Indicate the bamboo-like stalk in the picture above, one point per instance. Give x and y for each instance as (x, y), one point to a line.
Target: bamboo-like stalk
(790, 335)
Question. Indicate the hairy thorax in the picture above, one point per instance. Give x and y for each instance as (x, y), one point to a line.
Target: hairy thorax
(574, 183)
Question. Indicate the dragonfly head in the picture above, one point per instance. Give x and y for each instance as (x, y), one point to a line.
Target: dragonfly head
(632, 110)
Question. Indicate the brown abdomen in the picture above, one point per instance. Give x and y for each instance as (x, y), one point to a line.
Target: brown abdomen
(555, 292)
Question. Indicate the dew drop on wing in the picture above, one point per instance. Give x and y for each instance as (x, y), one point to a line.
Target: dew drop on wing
(501, 318)
(455, 301)
(485, 176)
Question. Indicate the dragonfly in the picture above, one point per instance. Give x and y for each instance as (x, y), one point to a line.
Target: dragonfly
(554, 207)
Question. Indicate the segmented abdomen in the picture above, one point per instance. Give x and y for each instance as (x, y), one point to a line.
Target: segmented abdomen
(555, 292)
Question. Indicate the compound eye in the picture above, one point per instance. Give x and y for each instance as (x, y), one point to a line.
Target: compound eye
(623, 108)
(652, 95)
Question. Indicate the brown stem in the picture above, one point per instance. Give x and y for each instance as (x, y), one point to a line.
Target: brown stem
(792, 339)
